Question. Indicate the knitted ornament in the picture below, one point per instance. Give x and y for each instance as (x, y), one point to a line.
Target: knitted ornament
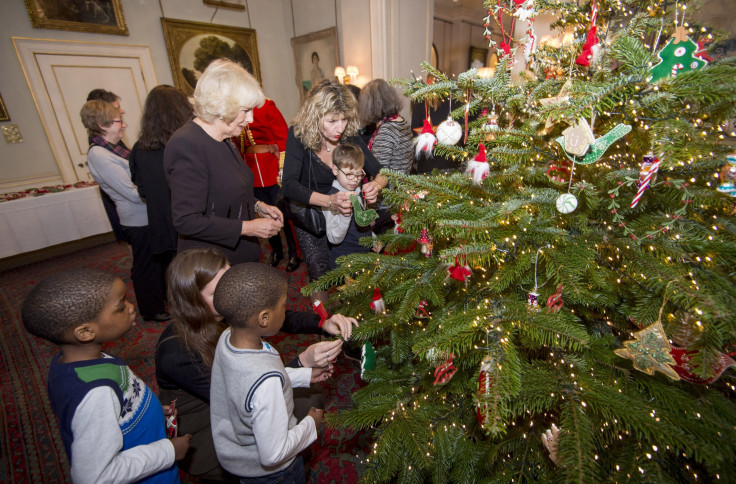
(566, 203)
(367, 358)
(377, 304)
(680, 54)
(459, 272)
(319, 308)
(591, 40)
(449, 132)
(426, 140)
(478, 167)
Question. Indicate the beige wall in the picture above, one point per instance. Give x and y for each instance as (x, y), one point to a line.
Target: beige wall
(275, 22)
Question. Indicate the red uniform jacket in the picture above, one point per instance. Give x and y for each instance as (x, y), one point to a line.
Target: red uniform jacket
(268, 127)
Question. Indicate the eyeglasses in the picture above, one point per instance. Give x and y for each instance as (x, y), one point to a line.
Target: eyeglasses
(117, 121)
(353, 176)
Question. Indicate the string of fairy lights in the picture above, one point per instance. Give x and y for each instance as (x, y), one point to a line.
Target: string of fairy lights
(494, 242)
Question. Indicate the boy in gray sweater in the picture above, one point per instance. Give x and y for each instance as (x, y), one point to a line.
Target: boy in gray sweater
(256, 435)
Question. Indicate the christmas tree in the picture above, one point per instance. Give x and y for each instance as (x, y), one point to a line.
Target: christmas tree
(575, 290)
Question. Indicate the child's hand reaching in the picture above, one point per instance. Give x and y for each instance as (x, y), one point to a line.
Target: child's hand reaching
(181, 446)
(322, 374)
(318, 415)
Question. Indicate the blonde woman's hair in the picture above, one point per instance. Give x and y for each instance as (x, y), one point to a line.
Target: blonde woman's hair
(326, 97)
(222, 89)
(97, 115)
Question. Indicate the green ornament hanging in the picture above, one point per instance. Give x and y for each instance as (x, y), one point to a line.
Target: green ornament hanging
(677, 56)
(599, 146)
(362, 217)
(367, 358)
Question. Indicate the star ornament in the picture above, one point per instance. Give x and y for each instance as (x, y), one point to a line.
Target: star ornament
(560, 98)
(650, 351)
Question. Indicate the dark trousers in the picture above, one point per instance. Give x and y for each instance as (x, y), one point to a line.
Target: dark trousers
(294, 474)
(268, 195)
(149, 272)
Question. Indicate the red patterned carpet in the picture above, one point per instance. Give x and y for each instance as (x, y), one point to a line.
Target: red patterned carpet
(31, 450)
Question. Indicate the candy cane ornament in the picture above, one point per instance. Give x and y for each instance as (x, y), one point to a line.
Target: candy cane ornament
(653, 169)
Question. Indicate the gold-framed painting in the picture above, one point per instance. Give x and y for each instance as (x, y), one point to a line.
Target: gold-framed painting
(3, 112)
(315, 55)
(193, 45)
(95, 16)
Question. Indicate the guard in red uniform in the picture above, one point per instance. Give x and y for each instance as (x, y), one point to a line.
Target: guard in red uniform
(262, 144)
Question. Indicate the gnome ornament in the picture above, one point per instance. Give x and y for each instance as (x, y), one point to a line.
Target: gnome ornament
(377, 304)
(478, 167)
(425, 141)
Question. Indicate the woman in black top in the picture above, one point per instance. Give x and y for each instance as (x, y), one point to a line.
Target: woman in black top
(328, 117)
(166, 110)
(186, 349)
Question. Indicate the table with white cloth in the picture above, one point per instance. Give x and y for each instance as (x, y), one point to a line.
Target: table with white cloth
(33, 223)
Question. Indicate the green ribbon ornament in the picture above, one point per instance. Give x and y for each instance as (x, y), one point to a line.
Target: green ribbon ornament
(362, 217)
(599, 146)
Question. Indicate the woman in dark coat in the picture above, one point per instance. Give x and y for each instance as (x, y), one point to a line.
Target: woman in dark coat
(212, 200)
(166, 110)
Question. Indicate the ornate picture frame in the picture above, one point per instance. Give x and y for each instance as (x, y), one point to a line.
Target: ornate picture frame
(193, 45)
(3, 112)
(99, 16)
(477, 57)
(311, 68)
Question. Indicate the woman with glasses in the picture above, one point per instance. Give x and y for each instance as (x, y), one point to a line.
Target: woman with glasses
(107, 159)
(327, 118)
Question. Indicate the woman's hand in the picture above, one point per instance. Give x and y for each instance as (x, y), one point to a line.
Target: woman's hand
(261, 227)
(341, 203)
(371, 191)
(269, 211)
(320, 354)
(339, 324)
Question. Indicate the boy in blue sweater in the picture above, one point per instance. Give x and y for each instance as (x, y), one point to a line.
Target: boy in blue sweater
(111, 423)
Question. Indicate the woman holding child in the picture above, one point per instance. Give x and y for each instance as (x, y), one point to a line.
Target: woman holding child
(186, 349)
(212, 200)
(327, 118)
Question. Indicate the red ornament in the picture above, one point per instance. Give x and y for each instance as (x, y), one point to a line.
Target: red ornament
(422, 310)
(377, 304)
(319, 308)
(554, 302)
(685, 370)
(458, 272)
(444, 372)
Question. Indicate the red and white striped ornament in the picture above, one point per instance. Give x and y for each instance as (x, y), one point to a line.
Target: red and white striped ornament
(653, 169)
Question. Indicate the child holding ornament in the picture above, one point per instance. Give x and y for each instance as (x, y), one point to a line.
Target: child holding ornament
(344, 231)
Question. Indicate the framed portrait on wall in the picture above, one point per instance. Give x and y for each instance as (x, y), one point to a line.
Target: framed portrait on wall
(193, 45)
(96, 16)
(478, 56)
(315, 55)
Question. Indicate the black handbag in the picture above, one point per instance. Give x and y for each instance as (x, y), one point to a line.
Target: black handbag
(306, 217)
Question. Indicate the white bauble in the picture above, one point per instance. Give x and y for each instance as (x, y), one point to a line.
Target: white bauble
(449, 132)
(566, 203)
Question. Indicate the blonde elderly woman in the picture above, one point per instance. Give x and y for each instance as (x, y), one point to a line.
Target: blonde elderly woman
(107, 159)
(212, 201)
(328, 117)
